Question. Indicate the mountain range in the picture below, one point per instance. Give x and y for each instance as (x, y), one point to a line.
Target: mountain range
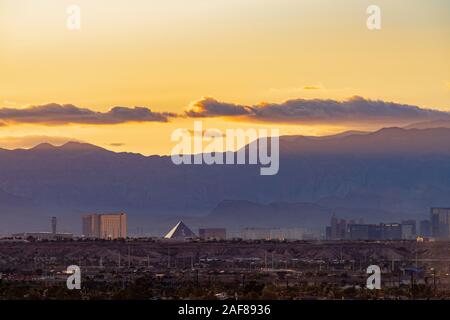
(390, 174)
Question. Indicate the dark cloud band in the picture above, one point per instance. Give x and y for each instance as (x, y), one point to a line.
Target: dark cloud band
(317, 111)
(210, 107)
(56, 114)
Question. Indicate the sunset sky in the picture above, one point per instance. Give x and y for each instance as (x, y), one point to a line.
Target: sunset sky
(230, 63)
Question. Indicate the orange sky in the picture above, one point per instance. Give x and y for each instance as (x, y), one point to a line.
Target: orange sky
(165, 54)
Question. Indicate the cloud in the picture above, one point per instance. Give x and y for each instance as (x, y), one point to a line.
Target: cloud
(304, 89)
(30, 141)
(312, 88)
(57, 114)
(211, 133)
(318, 111)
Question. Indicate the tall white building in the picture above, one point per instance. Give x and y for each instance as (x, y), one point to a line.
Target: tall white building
(105, 226)
(440, 222)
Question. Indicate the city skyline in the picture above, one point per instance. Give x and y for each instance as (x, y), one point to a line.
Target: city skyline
(176, 152)
(111, 226)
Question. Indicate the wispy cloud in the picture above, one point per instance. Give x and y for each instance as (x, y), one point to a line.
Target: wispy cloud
(57, 114)
(29, 141)
(312, 87)
(317, 111)
(301, 90)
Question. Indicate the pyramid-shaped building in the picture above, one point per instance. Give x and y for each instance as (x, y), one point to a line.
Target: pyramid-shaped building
(180, 232)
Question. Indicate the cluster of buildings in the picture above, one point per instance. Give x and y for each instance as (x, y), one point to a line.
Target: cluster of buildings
(280, 234)
(182, 232)
(52, 235)
(113, 226)
(437, 227)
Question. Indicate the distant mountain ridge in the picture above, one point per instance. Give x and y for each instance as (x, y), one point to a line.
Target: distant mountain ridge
(385, 141)
(398, 171)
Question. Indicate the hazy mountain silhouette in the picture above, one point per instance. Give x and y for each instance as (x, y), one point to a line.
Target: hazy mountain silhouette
(392, 173)
(242, 213)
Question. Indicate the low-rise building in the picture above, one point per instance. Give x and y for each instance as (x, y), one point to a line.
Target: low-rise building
(255, 234)
(212, 233)
(440, 223)
(105, 226)
(391, 231)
